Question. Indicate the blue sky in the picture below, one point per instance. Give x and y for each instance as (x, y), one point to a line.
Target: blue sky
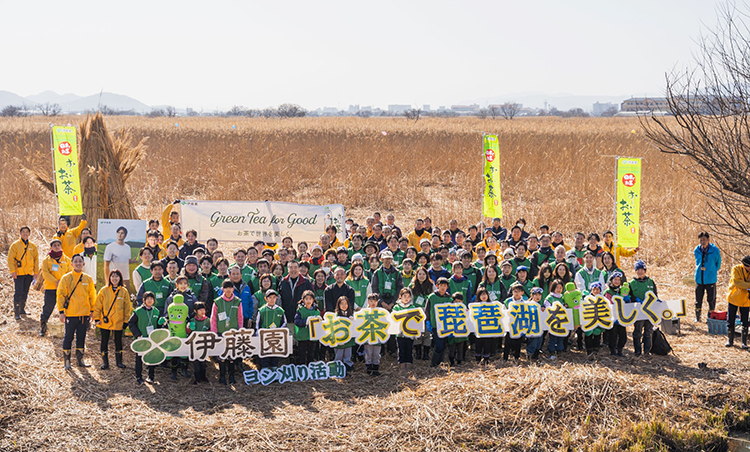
(334, 53)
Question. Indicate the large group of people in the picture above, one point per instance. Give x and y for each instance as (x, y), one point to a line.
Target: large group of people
(277, 285)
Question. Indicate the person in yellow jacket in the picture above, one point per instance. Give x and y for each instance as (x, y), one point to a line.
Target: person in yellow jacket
(169, 216)
(174, 236)
(54, 266)
(111, 313)
(739, 299)
(68, 236)
(616, 250)
(76, 295)
(23, 263)
(85, 232)
(418, 234)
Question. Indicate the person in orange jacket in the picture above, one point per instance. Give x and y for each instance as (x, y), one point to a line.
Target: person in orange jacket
(67, 236)
(23, 263)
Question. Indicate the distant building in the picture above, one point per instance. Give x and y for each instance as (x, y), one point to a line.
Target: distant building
(330, 110)
(353, 108)
(465, 108)
(600, 107)
(426, 107)
(398, 109)
(636, 104)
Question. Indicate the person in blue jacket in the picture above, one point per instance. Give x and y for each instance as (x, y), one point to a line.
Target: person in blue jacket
(707, 264)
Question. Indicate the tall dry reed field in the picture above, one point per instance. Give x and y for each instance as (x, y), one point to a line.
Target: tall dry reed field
(555, 171)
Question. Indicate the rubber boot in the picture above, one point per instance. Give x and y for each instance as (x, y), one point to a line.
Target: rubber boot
(368, 368)
(184, 366)
(231, 372)
(118, 358)
(697, 315)
(66, 359)
(105, 361)
(730, 336)
(376, 370)
(223, 373)
(744, 338)
(43, 329)
(79, 359)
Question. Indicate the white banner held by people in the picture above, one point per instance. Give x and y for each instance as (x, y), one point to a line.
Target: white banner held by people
(248, 221)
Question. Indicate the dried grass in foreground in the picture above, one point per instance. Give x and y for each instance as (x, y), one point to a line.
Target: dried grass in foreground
(645, 404)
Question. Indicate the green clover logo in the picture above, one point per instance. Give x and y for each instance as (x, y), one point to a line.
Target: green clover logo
(153, 349)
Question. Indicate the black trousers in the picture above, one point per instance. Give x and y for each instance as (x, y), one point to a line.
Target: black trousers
(512, 345)
(482, 347)
(710, 291)
(592, 342)
(50, 302)
(405, 350)
(732, 314)
(105, 340)
(306, 351)
(139, 368)
(617, 337)
(199, 370)
(75, 326)
(21, 294)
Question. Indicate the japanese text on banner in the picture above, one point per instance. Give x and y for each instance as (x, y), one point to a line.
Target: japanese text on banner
(65, 151)
(628, 201)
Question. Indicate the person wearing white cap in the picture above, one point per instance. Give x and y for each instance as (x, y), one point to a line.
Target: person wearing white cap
(387, 282)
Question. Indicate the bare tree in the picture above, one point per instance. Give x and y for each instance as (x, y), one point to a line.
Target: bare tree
(268, 112)
(155, 113)
(12, 110)
(48, 109)
(413, 113)
(170, 111)
(509, 110)
(483, 113)
(710, 102)
(494, 111)
(290, 111)
(238, 110)
(364, 113)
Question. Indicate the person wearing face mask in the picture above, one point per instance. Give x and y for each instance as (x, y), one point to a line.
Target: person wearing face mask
(85, 232)
(23, 263)
(89, 256)
(54, 266)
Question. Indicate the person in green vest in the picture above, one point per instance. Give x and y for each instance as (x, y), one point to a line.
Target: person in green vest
(513, 344)
(643, 330)
(356, 245)
(344, 351)
(248, 272)
(522, 278)
(142, 322)
(387, 282)
(421, 288)
(158, 285)
(342, 259)
(609, 267)
(398, 255)
(307, 309)
(200, 323)
(405, 344)
(177, 313)
(441, 296)
(206, 264)
(457, 345)
(226, 315)
(593, 337)
(407, 271)
(507, 277)
(470, 271)
(266, 283)
(143, 271)
(520, 260)
(461, 284)
(361, 285)
(270, 316)
(494, 286)
(222, 273)
(543, 279)
(199, 285)
(588, 274)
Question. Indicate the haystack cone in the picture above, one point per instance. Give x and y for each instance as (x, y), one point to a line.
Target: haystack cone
(105, 166)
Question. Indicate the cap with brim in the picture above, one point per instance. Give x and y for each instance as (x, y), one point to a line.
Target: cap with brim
(424, 241)
(357, 257)
(506, 263)
(317, 247)
(386, 255)
(522, 268)
(270, 292)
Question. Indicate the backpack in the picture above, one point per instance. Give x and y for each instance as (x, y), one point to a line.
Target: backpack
(659, 344)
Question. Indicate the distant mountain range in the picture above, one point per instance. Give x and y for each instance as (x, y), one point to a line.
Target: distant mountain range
(73, 103)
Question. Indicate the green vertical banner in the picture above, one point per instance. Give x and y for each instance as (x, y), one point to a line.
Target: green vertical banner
(492, 206)
(65, 151)
(628, 201)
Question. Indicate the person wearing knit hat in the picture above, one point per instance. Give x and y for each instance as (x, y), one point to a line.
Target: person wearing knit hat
(642, 329)
(739, 300)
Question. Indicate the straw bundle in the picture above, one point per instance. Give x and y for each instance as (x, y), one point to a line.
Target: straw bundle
(105, 165)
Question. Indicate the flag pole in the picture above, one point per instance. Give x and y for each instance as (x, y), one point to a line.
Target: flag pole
(52, 151)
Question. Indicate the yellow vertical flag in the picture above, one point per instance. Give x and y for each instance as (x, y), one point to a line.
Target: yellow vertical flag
(492, 207)
(628, 201)
(65, 151)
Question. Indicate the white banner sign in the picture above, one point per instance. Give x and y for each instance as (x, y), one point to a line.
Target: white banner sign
(248, 221)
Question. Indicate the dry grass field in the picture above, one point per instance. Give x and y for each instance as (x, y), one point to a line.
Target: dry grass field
(554, 171)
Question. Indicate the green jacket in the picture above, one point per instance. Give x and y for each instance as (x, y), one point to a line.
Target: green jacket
(302, 333)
